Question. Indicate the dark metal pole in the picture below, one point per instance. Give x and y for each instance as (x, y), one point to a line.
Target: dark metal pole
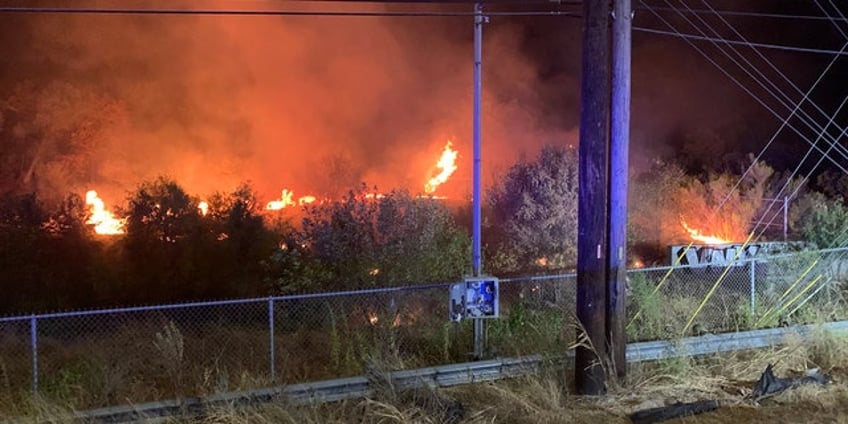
(619, 151)
(33, 340)
(272, 345)
(479, 19)
(478, 84)
(592, 195)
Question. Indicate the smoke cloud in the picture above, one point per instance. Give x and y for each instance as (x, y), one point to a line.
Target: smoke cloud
(319, 104)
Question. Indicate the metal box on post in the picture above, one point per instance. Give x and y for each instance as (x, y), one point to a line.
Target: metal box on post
(476, 297)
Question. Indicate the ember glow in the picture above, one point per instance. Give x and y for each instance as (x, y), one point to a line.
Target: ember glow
(104, 222)
(447, 165)
(697, 236)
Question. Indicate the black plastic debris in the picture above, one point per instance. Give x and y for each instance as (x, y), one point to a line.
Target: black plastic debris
(770, 385)
(677, 410)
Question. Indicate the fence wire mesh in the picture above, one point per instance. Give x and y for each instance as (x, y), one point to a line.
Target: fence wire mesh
(136, 356)
(96, 359)
(15, 362)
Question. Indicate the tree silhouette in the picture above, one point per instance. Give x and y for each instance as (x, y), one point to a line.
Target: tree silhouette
(535, 208)
(392, 239)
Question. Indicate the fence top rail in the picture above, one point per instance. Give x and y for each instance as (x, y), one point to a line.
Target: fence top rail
(171, 306)
(538, 277)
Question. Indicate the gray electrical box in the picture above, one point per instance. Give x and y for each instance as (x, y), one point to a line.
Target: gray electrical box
(477, 297)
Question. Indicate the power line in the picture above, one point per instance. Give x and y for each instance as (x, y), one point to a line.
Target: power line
(484, 2)
(774, 91)
(419, 14)
(236, 12)
(745, 14)
(822, 130)
(746, 89)
(741, 42)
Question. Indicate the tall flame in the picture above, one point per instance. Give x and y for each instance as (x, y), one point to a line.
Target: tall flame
(203, 207)
(104, 221)
(447, 164)
(696, 235)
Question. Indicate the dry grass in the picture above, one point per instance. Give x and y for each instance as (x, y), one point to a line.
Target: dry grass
(549, 398)
(144, 361)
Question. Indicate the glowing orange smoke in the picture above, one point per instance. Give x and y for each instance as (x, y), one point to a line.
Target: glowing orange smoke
(697, 236)
(287, 199)
(104, 221)
(447, 164)
(203, 207)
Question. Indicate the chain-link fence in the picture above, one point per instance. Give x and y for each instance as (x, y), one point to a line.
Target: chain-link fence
(100, 358)
(669, 302)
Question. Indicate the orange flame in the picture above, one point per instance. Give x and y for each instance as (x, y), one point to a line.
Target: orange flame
(203, 207)
(104, 221)
(447, 164)
(284, 201)
(697, 236)
(287, 199)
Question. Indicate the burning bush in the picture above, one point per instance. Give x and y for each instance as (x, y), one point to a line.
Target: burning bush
(667, 206)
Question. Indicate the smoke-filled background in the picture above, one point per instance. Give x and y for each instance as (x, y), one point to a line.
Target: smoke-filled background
(318, 104)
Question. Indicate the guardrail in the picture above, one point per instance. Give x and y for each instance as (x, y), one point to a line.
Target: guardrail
(441, 376)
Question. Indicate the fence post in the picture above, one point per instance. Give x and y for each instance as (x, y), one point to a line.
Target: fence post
(785, 216)
(753, 286)
(271, 337)
(33, 339)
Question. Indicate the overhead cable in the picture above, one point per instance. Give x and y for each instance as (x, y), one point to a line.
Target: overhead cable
(740, 42)
(264, 12)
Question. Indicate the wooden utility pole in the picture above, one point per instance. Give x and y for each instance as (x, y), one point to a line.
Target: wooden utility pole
(619, 151)
(592, 239)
